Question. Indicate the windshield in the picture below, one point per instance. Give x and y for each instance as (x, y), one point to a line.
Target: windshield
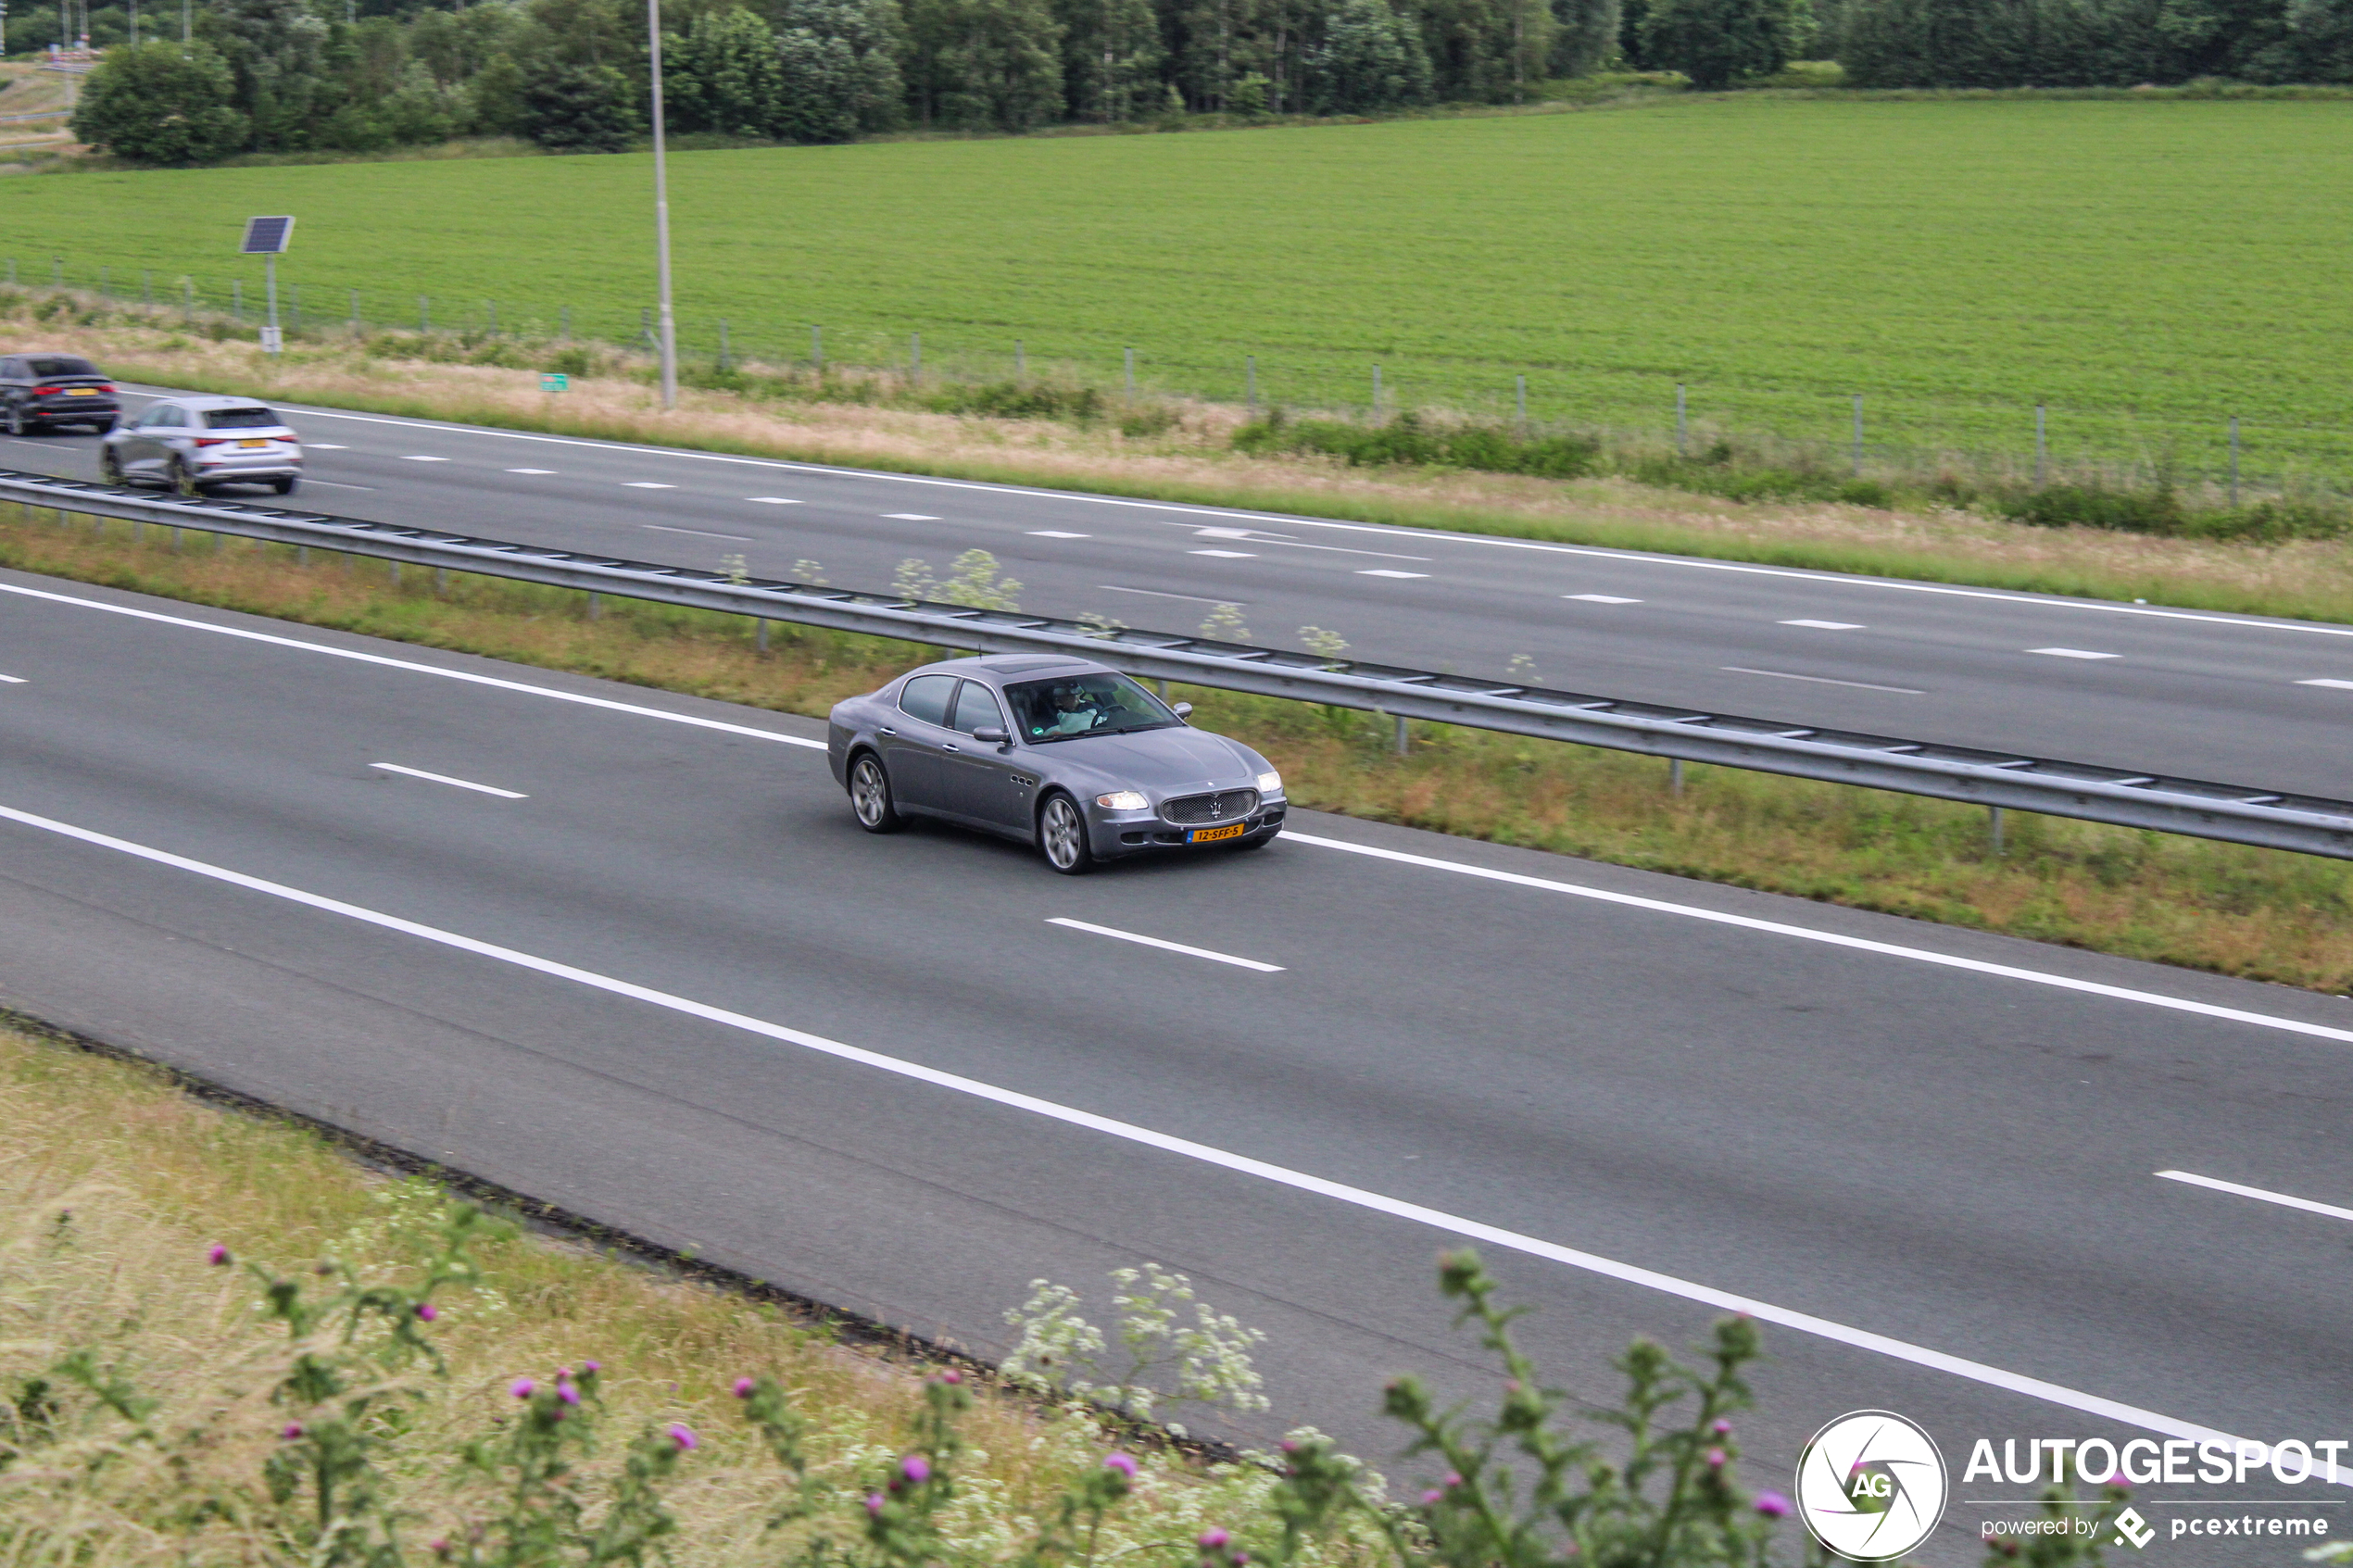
(241, 419)
(60, 365)
(1101, 704)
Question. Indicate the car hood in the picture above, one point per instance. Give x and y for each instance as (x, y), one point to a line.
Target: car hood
(1167, 761)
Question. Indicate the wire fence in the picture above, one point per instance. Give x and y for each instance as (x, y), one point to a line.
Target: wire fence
(1862, 431)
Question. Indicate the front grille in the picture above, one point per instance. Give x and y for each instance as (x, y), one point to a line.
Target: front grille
(1226, 806)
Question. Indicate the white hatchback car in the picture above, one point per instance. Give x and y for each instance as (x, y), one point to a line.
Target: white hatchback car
(192, 444)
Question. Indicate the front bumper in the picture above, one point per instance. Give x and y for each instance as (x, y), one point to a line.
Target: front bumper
(1115, 834)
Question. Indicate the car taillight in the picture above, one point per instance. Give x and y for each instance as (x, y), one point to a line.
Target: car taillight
(105, 386)
(46, 391)
(212, 441)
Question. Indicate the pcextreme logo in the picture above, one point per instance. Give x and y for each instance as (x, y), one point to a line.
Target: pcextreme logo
(1871, 1486)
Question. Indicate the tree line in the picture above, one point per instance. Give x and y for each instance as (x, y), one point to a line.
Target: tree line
(278, 76)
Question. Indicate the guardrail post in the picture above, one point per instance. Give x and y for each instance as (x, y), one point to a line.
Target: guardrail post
(1675, 777)
(760, 636)
(440, 582)
(1404, 735)
(1994, 828)
(596, 606)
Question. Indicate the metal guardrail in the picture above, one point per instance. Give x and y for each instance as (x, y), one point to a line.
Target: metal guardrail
(2196, 807)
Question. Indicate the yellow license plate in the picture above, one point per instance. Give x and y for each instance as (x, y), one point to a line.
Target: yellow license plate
(81, 392)
(1211, 836)
(253, 443)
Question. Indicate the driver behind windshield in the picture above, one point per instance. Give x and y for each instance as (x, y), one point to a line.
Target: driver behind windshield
(1084, 704)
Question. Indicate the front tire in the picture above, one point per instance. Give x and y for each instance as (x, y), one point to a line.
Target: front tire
(870, 796)
(1062, 836)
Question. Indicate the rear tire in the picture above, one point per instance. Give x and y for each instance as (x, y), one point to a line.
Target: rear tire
(184, 479)
(283, 486)
(870, 795)
(1061, 835)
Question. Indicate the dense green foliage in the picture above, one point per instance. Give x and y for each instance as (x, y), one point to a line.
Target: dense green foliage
(2090, 43)
(161, 104)
(2146, 268)
(574, 75)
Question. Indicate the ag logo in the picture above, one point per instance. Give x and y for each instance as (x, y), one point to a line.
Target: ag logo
(1871, 1486)
(2131, 1529)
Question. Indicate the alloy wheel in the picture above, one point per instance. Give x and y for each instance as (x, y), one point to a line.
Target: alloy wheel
(1061, 835)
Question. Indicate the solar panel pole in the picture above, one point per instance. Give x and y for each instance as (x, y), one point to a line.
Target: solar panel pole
(661, 215)
(270, 340)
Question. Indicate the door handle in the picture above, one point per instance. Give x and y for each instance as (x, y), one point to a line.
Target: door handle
(888, 731)
(945, 745)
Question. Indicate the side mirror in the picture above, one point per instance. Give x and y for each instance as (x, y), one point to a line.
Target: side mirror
(989, 734)
(1183, 710)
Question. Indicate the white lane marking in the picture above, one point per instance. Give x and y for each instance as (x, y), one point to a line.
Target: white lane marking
(531, 471)
(649, 484)
(1835, 939)
(1056, 533)
(416, 457)
(1260, 536)
(445, 779)
(1422, 535)
(1227, 533)
(2283, 1199)
(698, 532)
(14, 681)
(334, 484)
(1154, 592)
(1384, 572)
(1242, 1164)
(773, 500)
(1600, 598)
(331, 446)
(1820, 680)
(412, 667)
(2074, 653)
(1118, 935)
(1225, 555)
(2339, 685)
(910, 517)
(1829, 625)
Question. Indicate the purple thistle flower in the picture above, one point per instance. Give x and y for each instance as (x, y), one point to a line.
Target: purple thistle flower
(1212, 1538)
(523, 1387)
(1432, 1498)
(951, 1375)
(684, 1436)
(568, 1393)
(217, 1254)
(1772, 1505)
(1722, 1428)
(1715, 1459)
(875, 1504)
(439, 1547)
(1124, 1463)
(292, 1430)
(916, 1468)
(590, 1368)
(427, 1311)
(1453, 1479)
(744, 1387)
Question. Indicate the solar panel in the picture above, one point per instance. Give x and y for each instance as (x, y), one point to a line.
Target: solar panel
(267, 236)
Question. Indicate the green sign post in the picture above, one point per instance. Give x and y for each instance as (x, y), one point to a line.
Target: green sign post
(553, 382)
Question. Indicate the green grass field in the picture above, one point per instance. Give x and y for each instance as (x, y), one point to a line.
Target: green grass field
(2146, 268)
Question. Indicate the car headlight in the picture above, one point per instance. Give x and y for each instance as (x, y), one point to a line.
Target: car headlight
(1122, 800)
(1270, 783)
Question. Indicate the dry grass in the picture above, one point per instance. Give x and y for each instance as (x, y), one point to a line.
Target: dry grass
(2259, 913)
(112, 1184)
(1192, 461)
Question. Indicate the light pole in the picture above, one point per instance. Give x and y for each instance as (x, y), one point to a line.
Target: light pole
(662, 219)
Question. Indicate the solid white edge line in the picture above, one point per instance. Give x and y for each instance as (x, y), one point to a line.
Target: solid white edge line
(445, 779)
(412, 666)
(1471, 1230)
(1836, 939)
(2340, 685)
(14, 680)
(2283, 1199)
(1118, 935)
(1850, 579)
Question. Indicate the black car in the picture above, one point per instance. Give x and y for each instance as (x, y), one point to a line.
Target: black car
(40, 391)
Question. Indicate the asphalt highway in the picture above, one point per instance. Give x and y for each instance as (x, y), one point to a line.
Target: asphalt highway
(629, 952)
(2235, 698)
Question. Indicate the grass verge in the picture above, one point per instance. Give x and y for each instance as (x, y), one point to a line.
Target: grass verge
(114, 1182)
(2256, 913)
(1183, 453)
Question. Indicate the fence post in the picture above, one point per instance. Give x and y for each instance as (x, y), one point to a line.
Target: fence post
(1376, 392)
(817, 347)
(1520, 400)
(237, 299)
(1682, 429)
(187, 300)
(645, 326)
(723, 353)
(425, 314)
(355, 312)
(490, 315)
(1250, 375)
(2234, 461)
(2042, 447)
(1858, 435)
(147, 286)
(915, 356)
